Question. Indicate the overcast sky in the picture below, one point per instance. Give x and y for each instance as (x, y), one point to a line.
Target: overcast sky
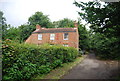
(17, 12)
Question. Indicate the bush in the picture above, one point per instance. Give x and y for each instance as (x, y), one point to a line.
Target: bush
(108, 49)
(22, 61)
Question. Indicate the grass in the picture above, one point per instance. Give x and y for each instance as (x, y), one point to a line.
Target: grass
(60, 71)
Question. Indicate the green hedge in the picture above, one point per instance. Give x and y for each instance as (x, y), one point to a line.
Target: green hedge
(22, 61)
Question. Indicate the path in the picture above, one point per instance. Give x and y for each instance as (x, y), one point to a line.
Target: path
(91, 68)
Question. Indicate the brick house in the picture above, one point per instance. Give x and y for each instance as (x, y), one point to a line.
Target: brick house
(68, 37)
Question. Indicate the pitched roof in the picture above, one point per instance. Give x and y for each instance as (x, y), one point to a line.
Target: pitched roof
(54, 30)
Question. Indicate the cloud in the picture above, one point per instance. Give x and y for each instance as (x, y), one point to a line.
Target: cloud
(17, 12)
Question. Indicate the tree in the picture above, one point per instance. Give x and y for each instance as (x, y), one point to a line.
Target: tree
(1, 14)
(83, 37)
(104, 19)
(41, 19)
(64, 23)
(3, 25)
(37, 18)
(1, 17)
(25, 31)
(13, 33)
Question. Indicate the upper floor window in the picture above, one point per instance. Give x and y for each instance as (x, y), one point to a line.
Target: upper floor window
(52, 36)
(65, 36)
(39, 36)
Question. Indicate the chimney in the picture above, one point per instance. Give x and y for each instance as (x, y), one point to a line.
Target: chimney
(38, 27)
(75, 24)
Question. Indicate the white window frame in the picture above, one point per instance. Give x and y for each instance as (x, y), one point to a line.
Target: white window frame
(66, 45)
(39, 36)
(52, 36)
(64, 36)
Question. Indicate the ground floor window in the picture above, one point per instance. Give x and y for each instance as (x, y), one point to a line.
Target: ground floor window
(66, 45)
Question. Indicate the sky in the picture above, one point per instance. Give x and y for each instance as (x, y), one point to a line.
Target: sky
(17, 12)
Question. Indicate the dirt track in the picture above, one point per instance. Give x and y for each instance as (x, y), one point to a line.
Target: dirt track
(92, 68)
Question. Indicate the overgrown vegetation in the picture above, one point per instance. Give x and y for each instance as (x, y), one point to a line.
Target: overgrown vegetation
(22, 61)
(84, 42)
(105, 27)
(64, 23)
(58, 72)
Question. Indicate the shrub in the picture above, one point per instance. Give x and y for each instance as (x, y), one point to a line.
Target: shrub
(22, 61)
(108, 49)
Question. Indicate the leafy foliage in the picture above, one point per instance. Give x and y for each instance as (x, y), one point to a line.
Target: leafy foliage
(83, 37)
(8, 32)
(104, 20)
(22, 61)
(21, 33)
(1, 17)
(13, 34)
(104, 47)
(41, 19)
(64, 23)
(3, 25)
(25, 31)
(37, 18)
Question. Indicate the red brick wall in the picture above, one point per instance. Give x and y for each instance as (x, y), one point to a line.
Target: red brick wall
(73, 39)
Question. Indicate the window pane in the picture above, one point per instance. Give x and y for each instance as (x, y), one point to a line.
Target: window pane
(52, 36)
(66, 45)
(39, 36)
(65, 36)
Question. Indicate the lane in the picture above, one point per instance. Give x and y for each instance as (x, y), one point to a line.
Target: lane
(91, 68)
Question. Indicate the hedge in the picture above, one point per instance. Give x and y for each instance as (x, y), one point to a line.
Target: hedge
(22, 61)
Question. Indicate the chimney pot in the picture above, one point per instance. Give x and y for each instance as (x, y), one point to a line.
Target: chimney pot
(75, 24)
(38, 26)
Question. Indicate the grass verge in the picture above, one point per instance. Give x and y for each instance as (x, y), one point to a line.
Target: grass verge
(60, 71)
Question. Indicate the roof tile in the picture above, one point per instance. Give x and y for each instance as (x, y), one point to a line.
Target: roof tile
(54, 30)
